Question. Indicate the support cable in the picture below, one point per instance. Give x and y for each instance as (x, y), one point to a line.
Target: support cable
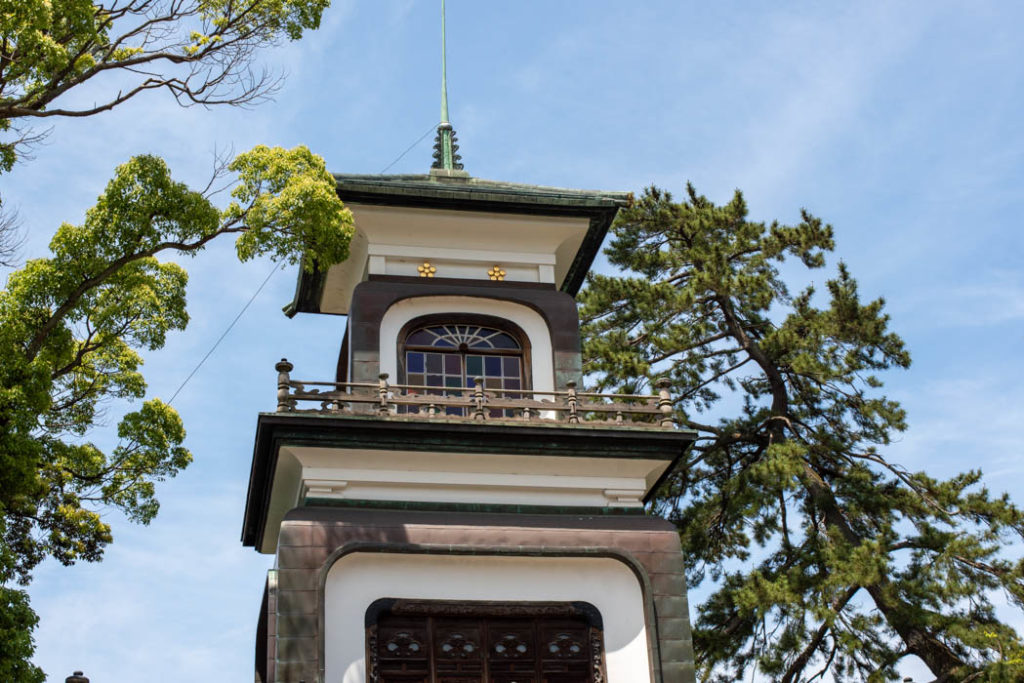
(228, 329)
(408, 149)
(267, 279)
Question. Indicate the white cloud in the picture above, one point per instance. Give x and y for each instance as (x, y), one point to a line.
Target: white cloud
(963, 422)
(987, 298)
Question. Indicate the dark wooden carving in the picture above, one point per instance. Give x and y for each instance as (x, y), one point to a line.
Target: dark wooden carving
(372, 660)
(484, 642)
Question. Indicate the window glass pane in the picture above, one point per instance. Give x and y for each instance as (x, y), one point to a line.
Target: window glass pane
(434, 380)
(415, 378)
(512, 384)
(474, 366)
(453, 382)
(503, 341)
(511, 366)
(452, 364)
(420, 338)
(492, 365)
(433, 362)
(446, 343)
(414, 362)
(481, 340)
(492, 383)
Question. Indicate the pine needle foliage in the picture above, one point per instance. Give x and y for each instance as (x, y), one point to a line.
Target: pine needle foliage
(825, 557)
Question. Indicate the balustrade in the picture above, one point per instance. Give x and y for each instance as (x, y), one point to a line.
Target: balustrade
(473, 404)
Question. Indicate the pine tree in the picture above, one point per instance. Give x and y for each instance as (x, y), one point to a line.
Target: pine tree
(824, 554)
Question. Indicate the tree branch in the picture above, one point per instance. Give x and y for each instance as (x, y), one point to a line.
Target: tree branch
(36, 343)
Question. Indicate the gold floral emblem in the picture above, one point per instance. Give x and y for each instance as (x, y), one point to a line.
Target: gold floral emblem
(496, 273)
(427, 270)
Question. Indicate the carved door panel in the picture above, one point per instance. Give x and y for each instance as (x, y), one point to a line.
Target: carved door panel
(441, 642)
(403, 650)
(458, 650)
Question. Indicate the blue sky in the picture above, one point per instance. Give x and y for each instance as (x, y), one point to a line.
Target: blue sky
(898, 122)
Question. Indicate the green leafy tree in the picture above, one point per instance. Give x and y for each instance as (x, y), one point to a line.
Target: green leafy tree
(70, 324)
(201, 51)
(71, 329)
(824, 555)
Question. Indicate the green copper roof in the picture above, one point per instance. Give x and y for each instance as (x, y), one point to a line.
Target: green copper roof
(431, 189)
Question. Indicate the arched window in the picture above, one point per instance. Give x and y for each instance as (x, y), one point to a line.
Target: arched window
(450, 356)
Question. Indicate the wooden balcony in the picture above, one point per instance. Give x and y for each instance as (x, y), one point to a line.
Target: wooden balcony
(476, 404)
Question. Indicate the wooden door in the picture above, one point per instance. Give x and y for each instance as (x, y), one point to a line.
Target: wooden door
(443, 642)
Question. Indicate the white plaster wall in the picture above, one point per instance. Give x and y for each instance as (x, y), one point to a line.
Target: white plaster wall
(529, 320)
(356, 580)
(453, 240)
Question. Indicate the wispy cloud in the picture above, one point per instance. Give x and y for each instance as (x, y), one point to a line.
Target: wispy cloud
(989, 298)
(963, 422)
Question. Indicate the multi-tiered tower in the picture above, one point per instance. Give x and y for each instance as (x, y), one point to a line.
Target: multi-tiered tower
(452, 507)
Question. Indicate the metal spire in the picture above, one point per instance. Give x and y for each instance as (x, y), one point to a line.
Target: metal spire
(444, 70)
(446, 157)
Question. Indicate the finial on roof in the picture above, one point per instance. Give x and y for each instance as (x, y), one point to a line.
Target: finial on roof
(446, 148)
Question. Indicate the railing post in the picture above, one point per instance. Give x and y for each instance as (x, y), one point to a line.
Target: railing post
(284, 386)
(478, 399)
(383, 408)
(432, 410)
(574, 417)
(76, 677)
(665, 402)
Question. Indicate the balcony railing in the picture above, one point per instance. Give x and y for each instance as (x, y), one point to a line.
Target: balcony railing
(474, 403)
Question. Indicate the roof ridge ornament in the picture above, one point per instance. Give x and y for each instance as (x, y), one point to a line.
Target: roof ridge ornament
(447, 160)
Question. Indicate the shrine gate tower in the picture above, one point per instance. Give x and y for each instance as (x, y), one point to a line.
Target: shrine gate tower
(452, 506)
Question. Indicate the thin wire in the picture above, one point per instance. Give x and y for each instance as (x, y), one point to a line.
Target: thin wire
(409, 148)
(225, 333)
(264, 284)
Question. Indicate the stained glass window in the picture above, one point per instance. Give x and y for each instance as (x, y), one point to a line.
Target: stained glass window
(445, 359)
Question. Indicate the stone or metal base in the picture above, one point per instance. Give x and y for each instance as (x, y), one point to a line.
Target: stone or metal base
(313, 538)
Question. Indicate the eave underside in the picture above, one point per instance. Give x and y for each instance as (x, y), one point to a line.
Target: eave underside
(276, 431)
